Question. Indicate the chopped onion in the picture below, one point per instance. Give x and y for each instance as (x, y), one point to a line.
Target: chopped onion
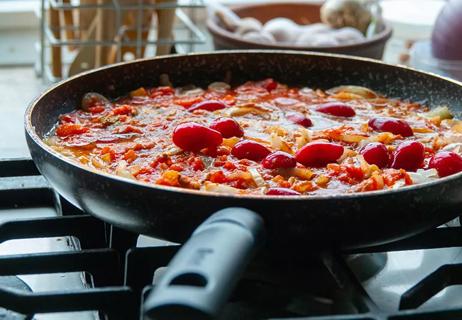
(122, 171)
(219, 86)
(189, 91)
(219, 188)
(278, 143)
(422, 176)
(442, 112)
(244, 109)
(256, 176)
(454, 147)
(356, 90)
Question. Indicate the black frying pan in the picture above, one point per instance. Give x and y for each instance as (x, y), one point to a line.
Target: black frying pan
(348, 220)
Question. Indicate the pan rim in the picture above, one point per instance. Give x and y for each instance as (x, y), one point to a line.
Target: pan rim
(32, 134)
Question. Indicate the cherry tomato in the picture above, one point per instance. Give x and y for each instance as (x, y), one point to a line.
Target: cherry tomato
(318, 154)
(299, 118)
(393, 125)
(248, 149)
(209, 105)
(227, 127)
(279, 159)
(376, 153)
(282, 192)
(446, 163)
(191, 136)
(408, 156)
(337, 109)
(269, 84)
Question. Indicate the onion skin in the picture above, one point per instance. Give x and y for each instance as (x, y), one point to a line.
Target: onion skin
(446, 41)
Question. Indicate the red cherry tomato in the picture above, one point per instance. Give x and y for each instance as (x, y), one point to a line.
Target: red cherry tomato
(376, 153)
(248, 149)
(227, 127)
(191, 136)
(393, 125)
(209, 105)
(408, 156)
(269, 84)
(282, 192)
(337, 109)
(299, 118)
(279, 159)
(446, 163)
(318, 154)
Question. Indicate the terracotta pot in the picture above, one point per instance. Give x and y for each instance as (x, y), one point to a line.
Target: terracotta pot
(301, 13)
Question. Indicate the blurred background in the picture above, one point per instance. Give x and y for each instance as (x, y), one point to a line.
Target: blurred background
(44, 41)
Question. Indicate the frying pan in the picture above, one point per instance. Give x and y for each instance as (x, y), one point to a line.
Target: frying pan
(291, 223)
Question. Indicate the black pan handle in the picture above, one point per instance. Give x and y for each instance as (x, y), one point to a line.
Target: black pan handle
(202, 275)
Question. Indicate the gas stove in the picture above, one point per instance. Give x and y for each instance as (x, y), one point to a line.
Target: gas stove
(56, 262)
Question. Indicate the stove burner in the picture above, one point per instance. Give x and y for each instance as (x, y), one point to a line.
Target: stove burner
(13, 282)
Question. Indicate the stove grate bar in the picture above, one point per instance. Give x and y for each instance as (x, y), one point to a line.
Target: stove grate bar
(116, 302)
(100, 263)
(446, 314)
(18, 167)
(443, 277)
(432, 239)
(141, 264)
(88, 230)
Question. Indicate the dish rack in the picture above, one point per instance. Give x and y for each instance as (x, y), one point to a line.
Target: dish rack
(69, 31)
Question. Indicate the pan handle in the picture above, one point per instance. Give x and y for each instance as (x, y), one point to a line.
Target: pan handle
(202, 275)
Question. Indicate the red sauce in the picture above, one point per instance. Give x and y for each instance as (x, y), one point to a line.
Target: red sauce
(257, 138)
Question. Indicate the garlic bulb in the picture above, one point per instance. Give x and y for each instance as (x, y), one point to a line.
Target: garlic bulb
(346, 13)
(282, 29)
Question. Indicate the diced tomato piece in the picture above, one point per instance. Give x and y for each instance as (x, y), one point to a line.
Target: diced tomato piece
(176, 167)
(130, 155)
(68, 129)
(125, 110)
(162, 91)
(188, 102)
(127, 129)
(229, 99)
(96, 109)
(66, 118)
(218, 177)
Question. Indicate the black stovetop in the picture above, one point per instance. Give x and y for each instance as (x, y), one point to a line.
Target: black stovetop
(119, 274)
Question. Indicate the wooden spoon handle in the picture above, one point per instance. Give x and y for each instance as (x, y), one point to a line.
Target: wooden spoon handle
(56, 62)
(68, 17)
(165, 20)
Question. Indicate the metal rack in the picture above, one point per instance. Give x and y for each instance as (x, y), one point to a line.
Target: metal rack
(186, 33)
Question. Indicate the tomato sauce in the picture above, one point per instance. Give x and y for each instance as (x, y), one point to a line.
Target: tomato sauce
(262, 137)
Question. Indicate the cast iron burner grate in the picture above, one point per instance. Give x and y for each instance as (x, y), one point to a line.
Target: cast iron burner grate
(121, 274)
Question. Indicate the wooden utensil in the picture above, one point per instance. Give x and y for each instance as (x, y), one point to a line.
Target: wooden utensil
(56, 60)
(86, 18)
(131, 22)
(85, 58)
(68, 18)
(165, 20)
